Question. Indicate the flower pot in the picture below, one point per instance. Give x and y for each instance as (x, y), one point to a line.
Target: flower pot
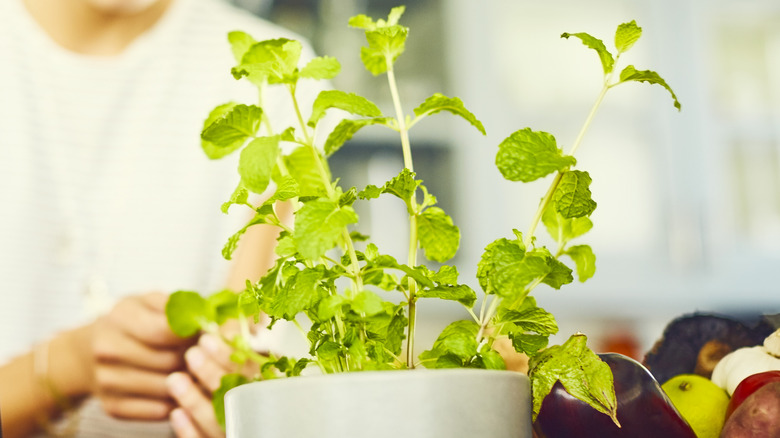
(383, 404)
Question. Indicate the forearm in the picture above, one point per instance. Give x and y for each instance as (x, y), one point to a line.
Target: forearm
(31, 383)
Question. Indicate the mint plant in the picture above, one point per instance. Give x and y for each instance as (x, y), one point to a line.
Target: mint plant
(331, 274)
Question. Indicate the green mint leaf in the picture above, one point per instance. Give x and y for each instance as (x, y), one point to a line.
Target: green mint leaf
(228, 382)
(381, 280)
(345, 130)
(438, 236)
(240, 196)
(248, 307)
(300, 293)
(632, 74)
(528, 344)
(564, 229)
(497, 254)
(322, 67)
(348, 198)
(370, 192)
(286, 188)
(188, 312)
(580, 371)
(419, 274)
(232, 243)
(367, 303)
(240, 42)
(302, 166)
(319, 225)
(626, 35)
(385, 45)
(402, 186)
(458, 339)
(607, 61)
(270, 61)
(211, 150)
(490, 359)
(527, 317)
(362, 21)
(460, 293)
(349, 102)
(439, 102)
(329, 306)
(257, 162)
(529, 155)
(559, 274)
(225, 305)
(395, 15)
(233, 127)
(572, 197)
(446, 275)
(584, 259)
(506, 269)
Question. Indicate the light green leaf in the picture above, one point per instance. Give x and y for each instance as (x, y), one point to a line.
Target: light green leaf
(367, 303)
(559, 274)
(438, 236)
(506, 270)
(579, 370)
(225, 305)
(626, 35)
(322, 67)
(584, 259)
(240, 196)
(385, 45)
(270, 61)
(446, 275)
(300, 293)
(528, 344)
(362, 21)
(632, 74)
(286, 188)
(240, 42)
(285, 246)
(319, 225)
(528, 317)
(257, 162)
(564, 229)
(419, 274)
(529, 155)
(572, 197)
(349, 102)
(402, 186)
(458, 339)
(228, 382)
(491, 359)
(344, 131)
(370, 192)
(232, 243)
(439, 102)
(231, 129)
(497, 254)
(460, 293)
(188, 312)
(302, 166)
(607, 61)
(213, 151)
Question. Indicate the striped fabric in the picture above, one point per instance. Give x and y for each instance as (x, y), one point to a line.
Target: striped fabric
(104, 190)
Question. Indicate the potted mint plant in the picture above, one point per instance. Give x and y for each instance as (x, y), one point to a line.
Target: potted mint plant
(332, 275)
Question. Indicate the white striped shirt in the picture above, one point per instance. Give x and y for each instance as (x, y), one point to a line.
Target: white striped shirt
(103, 185)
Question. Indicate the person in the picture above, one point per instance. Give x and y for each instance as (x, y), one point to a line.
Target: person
(108, 205)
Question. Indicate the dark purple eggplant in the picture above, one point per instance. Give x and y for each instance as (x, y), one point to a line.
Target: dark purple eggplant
(644, 410)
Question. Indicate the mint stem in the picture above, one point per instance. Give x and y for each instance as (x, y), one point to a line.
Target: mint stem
(412, 260)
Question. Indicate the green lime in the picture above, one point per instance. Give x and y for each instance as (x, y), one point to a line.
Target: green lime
(701, 402)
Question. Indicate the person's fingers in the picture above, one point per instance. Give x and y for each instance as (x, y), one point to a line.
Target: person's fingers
(143, 319)
(217, 350)
(182, 425)
(118, 347)
(204, 368)
(137, 408)
(128, 381)
(195, 403)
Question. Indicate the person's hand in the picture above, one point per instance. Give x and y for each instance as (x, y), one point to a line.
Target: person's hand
(134, 351)
(207, 362)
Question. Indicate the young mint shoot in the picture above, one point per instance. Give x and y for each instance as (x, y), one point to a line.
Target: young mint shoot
(321, 274)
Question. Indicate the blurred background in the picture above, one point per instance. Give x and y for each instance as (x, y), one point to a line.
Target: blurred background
(688, 215)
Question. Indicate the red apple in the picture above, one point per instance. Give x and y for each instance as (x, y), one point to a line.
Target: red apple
(748, 386)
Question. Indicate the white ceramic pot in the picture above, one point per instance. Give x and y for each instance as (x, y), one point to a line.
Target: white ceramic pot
(384, 404)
